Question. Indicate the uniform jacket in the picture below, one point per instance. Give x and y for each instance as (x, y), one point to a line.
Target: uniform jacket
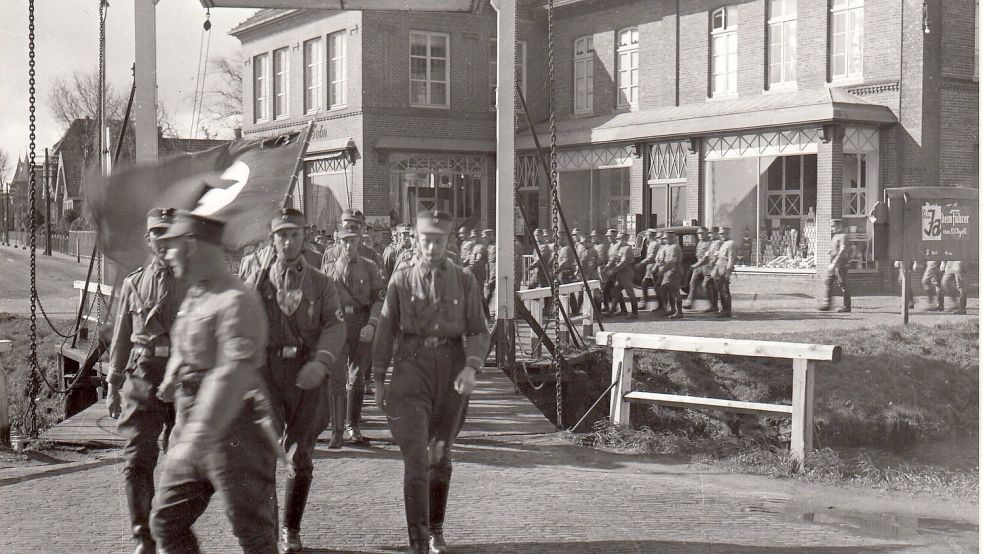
(319, 320)
(725, 257)
(479, 262)
(622, 258)
(669, 256)
(360, 285)
(451, 309)
(220, 338)
(837, 251)
(336, 251)
(702, 257)
(603, 250)
(588, 259)
(149, 303)
(565, 264)
(394, 253)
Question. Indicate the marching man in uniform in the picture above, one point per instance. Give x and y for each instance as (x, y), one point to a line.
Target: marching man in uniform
(218, 351)
(149, 302)
(836, 274)
(361, 290)
(432, 318)
(306, 333)
(724, 259)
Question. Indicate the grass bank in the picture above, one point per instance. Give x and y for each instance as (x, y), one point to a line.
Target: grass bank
(894, 389)
(15, 366)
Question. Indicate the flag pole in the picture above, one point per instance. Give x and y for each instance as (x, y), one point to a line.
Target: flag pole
(289, 196)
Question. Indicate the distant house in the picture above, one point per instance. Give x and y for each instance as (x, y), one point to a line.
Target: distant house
(78, 149)
(19, 193)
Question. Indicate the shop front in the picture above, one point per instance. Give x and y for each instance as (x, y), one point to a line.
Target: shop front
(329, 183)
(455, 183)
(767, 188)
(595, 187)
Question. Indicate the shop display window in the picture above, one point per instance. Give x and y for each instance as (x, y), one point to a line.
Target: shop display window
(597, 199)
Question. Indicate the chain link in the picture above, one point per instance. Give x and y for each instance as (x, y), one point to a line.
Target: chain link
(554, 212)
(30, 423)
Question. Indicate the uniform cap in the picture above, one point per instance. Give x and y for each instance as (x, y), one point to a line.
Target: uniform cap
(434, 221)
(348, 233)
(593, 233)
(353, 215)
(714, 229)
(702, 230)
(474, 233)
(160, 218)
(201, 227)
(404, 228)
(288, 218)
(611, 232)
(575, 231)
(488, 233)
(463, 230)
(724, 228)
(835, 221)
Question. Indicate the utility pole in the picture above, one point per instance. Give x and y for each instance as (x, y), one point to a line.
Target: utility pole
(47, 204)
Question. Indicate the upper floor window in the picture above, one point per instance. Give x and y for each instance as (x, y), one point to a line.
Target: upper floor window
(313, 75)
(520, 69)
(723, 51)
(337, 70)
(782, 31)
(583, 75)
(429, 69)
(280, 81)
(628, 68)
(847, 39)
(261, 91)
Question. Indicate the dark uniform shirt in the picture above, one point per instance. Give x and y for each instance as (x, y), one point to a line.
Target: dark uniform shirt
(444, 302)
(360, 285)
(149, 302)
(337, 251)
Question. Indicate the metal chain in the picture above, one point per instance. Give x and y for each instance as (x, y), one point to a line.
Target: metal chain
(554, 208)
(34, 383)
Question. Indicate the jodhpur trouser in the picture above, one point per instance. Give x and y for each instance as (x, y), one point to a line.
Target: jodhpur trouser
(425, 415)
(241, 469)
(143, 417)
(837, 278)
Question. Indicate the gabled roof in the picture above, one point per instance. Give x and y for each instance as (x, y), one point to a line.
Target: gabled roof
(714, 117)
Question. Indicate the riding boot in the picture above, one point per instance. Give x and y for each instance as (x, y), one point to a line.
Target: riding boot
(621, 304)
(339, 410)
(355, 399)
(294, 502)
(634, 309)
(139, 496)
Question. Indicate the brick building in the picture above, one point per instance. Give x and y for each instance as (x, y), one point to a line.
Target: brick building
(769, 116)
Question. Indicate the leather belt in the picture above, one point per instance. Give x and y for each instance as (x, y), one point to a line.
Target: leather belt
(288, 352)
(153, 352)
(349, 310)
(431, 341)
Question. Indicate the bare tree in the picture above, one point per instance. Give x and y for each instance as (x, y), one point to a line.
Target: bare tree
(4, 168)
(223, 98)
(77, 97)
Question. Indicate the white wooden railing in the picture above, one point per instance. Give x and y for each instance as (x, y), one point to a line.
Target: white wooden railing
(97, 292)
(803, 356)
(535, 301)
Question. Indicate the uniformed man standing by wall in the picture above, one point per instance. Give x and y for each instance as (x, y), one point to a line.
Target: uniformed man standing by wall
(402, 247)
(700, 270)
(432, 318)
(362, 289)
(306, 334)
(837, 271)
(354, 221)
(621, 265)
(724, 259)
(670, 275)
(588, 261)
(491, 252)
(219, 348)
(149, 302)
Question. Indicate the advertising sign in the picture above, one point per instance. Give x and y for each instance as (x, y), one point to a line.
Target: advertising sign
(934, 223)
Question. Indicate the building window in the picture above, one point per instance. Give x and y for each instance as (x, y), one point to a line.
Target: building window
(769, 203)
(583, 75)
(723, 51)
(261, 91)
(668, 204)
(280, 80)
(847, 48)
(782, 32)
(337, 70)
(597, 199)
(437, 182)
(854, 185)
(628, 68)
(429, 61)
(520, 69)
(313, 75)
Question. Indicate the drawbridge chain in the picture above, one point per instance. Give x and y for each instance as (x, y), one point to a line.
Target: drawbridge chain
(557, 367)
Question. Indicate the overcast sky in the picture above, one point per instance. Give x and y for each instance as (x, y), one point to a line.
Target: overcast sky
(67, 40)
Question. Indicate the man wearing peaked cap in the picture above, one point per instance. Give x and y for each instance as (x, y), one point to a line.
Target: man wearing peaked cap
(361, 289)
(219, 340)
(354, 221)
(433, 306)
(488, 235)
(306, 334)
(149, 302)
(401, 248)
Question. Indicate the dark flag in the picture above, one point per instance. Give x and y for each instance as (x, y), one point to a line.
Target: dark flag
(242, 183)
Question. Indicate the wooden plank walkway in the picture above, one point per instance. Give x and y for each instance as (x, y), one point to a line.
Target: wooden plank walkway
(495, 409)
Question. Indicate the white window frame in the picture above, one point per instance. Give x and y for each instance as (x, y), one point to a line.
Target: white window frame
(429, 81)
(785, 193)
(862, 189)
(261, 87)
(493, 70)
(337, 44)
(281, 83)
(583, 72)
(726, 33)
(313, 75)
(781, 25)
(850, 11)
(627, 50)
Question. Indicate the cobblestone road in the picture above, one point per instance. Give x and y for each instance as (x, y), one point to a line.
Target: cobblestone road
(516, 489)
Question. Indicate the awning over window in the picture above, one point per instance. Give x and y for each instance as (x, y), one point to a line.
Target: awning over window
(434, 144)
(764, 111)
(334, 148)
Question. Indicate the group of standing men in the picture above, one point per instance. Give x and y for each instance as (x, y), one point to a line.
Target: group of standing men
(237, 372)
(610, 258)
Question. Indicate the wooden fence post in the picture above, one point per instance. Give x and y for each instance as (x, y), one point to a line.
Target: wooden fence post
(803, 382)
(536, 309)
(5, 346)
(78, 251)
(622, 364)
